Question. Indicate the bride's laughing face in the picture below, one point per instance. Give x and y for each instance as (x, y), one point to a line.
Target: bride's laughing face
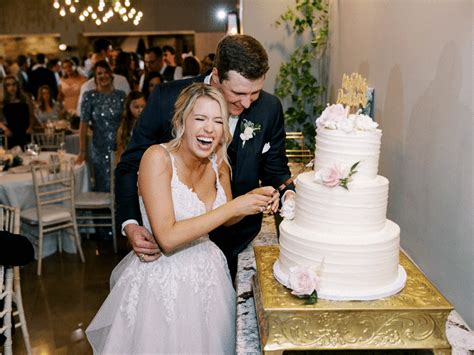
(204, 127)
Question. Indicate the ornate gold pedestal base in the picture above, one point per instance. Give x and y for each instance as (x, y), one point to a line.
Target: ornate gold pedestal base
(415, 318)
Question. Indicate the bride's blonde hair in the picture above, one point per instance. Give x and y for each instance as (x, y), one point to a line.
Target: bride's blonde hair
(183, 107)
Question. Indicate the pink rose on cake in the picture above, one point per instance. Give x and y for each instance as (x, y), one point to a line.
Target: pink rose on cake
(331, 116)
(330, 176)
(304, 283)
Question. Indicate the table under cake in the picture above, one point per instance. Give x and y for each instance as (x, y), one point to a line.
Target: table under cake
(415, 318)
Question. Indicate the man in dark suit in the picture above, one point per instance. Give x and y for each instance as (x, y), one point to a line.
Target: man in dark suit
(41, 75)
(257, 151)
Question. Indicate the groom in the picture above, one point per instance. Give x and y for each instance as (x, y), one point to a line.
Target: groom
(257, 151)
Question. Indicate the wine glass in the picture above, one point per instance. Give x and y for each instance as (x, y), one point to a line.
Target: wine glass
(62, 150)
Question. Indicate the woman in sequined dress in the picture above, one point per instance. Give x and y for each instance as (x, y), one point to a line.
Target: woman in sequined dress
(100, 109)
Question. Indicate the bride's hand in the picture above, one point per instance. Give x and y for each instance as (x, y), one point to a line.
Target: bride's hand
(250, 204)
(269, 191)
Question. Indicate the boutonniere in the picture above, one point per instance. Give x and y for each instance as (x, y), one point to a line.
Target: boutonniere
(249, 130)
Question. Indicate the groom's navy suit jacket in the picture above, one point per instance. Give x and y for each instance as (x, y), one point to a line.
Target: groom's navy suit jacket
(250, 164)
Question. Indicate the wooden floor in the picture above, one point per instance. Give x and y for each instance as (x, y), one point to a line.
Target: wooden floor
(60, 304)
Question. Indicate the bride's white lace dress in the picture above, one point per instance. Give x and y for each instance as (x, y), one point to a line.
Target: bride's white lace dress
(182, 303)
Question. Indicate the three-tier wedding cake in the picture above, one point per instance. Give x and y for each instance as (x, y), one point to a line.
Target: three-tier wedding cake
(340, 230)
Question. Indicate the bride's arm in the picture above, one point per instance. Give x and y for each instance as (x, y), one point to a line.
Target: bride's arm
(154, 182)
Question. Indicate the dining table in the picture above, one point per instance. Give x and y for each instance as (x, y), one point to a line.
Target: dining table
(17, 190)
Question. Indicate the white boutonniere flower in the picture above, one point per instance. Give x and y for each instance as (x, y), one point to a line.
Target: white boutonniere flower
(266, 148)
(248, 129)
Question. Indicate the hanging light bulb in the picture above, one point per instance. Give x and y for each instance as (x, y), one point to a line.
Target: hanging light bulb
(97, 10)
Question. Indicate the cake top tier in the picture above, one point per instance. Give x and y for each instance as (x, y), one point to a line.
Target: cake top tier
(343, 140)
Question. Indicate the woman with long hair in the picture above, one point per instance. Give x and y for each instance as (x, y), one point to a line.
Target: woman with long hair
(134, 105)
(184, 302)
(47, 109)
(17, 113)
(100, 109)
(70, 85)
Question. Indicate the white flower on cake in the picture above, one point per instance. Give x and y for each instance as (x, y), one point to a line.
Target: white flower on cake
(248, 129)
(347, 125)
(331, 116)
(304, 283)
(365, 123)
(287, 211)
(335, 175)
(337, 117)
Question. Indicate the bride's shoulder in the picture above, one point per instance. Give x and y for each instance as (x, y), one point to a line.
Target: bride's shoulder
(156, 155)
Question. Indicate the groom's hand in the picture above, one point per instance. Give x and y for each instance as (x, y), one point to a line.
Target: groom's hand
(143, 242)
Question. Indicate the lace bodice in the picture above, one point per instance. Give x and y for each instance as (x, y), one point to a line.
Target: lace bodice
(185, 201)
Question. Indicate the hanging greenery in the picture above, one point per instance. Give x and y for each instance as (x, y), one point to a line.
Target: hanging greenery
(297, 83)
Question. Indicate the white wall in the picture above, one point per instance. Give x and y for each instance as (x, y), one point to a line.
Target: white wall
(418, 56)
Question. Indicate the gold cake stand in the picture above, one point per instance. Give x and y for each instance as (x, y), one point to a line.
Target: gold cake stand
(415, 318)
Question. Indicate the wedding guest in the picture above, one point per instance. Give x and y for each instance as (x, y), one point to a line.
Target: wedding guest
(153, 63)
(136, 71)
(41, 75)
(102, 51)
(47, 109)
(101, 110)
(70, 85)
(191, 67)
(207, 63)
(153, 80)
(22, 74)
(239, 72)
(183, 303)
(17, 111)
(122, 67)
(171, 70)
(134, 105)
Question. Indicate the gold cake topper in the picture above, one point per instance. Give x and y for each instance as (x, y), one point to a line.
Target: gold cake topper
(353, 92)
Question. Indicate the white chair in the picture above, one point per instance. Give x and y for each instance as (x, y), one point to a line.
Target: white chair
(48, 140)
(97, 209)
(54, 211)
(11, 286)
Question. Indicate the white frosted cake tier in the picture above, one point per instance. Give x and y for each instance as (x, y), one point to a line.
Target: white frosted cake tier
(338, 147)
(349, 267)
(334, 210)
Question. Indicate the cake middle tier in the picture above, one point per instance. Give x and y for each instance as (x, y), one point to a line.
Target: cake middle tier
(335, 210)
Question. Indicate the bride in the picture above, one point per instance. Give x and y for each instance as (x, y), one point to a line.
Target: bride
(184, 302)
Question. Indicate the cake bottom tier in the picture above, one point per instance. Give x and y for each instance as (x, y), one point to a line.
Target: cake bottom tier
(350, 267)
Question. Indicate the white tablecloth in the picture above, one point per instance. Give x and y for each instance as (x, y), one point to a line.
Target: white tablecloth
(17, 190)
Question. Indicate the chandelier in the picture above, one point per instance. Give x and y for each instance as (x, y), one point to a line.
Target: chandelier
(99, 11)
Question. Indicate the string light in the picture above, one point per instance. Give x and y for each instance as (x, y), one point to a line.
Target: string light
(99, 11)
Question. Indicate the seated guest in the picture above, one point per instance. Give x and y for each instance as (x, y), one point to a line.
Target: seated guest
(47, 109)
(41, 75)
(17, 113)
(134, 105)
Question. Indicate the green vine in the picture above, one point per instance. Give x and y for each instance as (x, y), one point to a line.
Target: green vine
(296, 82)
